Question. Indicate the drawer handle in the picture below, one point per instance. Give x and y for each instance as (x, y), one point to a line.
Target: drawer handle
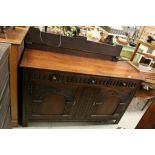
(53, 78)
(99, 103)
(124, 84)
(71, 102)
(122, 103)
(92, 81)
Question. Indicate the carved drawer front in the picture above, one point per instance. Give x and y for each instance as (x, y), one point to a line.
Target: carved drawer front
(68, 78)
(52, 102)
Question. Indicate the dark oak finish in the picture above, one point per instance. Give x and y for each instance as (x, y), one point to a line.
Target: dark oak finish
(71, 45)
(61, 87)
(75, 64)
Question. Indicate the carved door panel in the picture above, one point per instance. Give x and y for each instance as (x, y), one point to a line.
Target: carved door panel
(109, 104)
(53, 103)
(87, 98)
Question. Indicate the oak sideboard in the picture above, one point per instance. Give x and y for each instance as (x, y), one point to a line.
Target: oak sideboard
(63, 87)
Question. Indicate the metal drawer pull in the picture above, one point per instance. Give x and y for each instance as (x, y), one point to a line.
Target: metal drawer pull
(99, 103)
(37, 101)
(124, 84)
(122, 103)
(92, 81)
(54, 77)
(71, 102)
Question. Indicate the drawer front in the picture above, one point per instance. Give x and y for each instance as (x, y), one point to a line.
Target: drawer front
(4, 103)
(7, 121)
(85, 80)
(4, 51)
(4, 73)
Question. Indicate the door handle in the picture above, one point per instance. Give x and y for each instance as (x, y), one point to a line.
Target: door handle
(53, 77)
(71, 102)
(98, 103)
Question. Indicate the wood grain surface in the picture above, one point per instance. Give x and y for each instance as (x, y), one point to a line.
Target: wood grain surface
(148, 119)
(75, 64)
(15, 36)
(16, 39)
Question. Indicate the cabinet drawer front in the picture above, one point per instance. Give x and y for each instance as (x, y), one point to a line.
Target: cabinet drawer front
(4, 73)
(5, 93)
(7, 121)
(86, 80)
(4, 103)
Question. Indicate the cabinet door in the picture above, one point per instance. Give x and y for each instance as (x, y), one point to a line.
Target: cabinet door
(52, 103)
(109, 104)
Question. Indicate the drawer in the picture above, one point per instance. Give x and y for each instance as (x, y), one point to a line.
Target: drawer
(88, 80)
(4, 72)
(4, 102)
(4, 51)
(7, 120)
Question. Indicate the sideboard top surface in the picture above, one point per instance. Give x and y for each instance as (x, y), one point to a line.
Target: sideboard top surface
(45, 60)
(15, 36)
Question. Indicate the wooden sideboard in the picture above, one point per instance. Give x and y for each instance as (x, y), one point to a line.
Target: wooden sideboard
(16, 39)
(5, 113)
(62, 87)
